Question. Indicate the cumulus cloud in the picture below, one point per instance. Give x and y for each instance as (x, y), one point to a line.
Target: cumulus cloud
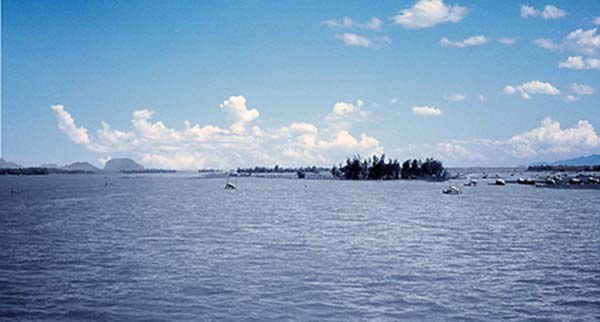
(241, 144)
(428, 13)
(530, 88)
(581, 41)
(581, 89)
(344, 114)
(393, 100)
(426, 111)
(303, 128)
(548, 12)
(508, 40)
(238, 112)
(456, 152)
(579, 63)
(471, 41)
(67, 125)
(454, 97)
(549, 141)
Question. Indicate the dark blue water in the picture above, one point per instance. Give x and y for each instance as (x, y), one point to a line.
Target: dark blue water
(175, 248)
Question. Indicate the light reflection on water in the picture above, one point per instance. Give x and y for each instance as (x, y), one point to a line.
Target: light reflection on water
(171, 247)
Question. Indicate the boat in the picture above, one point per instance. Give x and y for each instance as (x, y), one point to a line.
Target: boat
(230, 185)
(593, 180)
(452, 190)
(472, 183)
(500, 182)
(526, 181)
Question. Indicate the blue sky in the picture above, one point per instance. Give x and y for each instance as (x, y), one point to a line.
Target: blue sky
(295, 83)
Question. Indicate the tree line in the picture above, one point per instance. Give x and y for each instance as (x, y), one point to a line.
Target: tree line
(278, 169)
(380, 168)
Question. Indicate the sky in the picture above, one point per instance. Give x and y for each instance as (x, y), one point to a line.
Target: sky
(225, 84)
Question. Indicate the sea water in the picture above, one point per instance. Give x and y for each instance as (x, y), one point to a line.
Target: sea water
(179, 248)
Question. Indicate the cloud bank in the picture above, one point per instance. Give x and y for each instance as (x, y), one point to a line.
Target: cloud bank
(241, 143)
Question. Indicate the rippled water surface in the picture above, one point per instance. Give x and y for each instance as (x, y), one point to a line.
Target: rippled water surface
(177, 248)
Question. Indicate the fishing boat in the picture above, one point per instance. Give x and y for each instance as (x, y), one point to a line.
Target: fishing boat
(452, 190)
(500, 182)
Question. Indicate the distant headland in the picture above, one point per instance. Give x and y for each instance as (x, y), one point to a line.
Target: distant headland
(117, 165)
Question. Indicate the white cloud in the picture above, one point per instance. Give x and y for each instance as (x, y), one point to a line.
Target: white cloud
(456, 152)
(570, 98)
(344, 22)
(552, 12)
(549, 12)
(351, 39)
(343, 114)
(549, 141)
(550, 138)
(596, 21)
(393, 100)
(581, 89)
(508, 40)
(471, 41)
(482, 98)
(373, 24)
(509, 90)
(426, 111)
(195, 146)
(528, 11)
(239, 114)
(581, 41)
(428, 13)
(530, 88)
(454, 97)
(67, 125)
(578, 62)
(303, 128)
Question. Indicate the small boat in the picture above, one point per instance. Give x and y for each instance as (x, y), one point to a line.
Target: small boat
(574, 181)
(452, 190)
(526, 181)
(593, 180)
(230, 185)
(500, 182)
(472, 183)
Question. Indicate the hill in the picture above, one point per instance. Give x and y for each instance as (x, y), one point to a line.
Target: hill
(80, 166)
(8, 165)
(584, 160)
(122, 165)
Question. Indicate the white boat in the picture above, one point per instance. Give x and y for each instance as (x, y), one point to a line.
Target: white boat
(471, 183)
(230, 185)
(500, 182)
(452, 190)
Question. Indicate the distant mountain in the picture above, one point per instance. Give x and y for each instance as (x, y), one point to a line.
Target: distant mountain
(121, 165)
(586, 160)
(49, 165)
(8, 165)
(80, 166)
